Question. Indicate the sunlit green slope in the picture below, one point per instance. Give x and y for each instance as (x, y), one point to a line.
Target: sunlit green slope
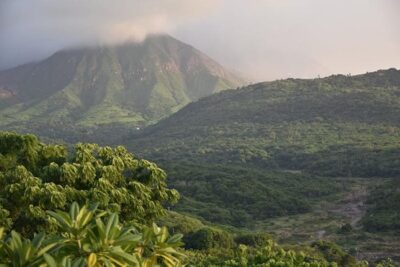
(290, 124)
(131, 84)
(227, 144)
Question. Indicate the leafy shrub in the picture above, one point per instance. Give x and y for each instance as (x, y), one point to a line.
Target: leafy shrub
(35, 177)
(334, 253)
(253, 239)
(384, 205)
(87, 237)
(208, 238)
(345, 229)
(270, 255)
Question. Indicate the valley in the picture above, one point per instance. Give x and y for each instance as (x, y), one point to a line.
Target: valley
(329, 218)
(289, 135)
(250, 163)
(199, 133)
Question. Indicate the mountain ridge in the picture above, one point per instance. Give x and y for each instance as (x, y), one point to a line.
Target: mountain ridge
(132, 83)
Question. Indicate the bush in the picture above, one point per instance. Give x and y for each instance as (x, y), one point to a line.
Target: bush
(208, 238)
(334, 253)
(35, 177)
(253, 239)
(345, 229)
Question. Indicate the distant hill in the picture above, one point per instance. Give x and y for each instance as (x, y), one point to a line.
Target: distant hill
(133, 84)
(334, 126)
(272, 123)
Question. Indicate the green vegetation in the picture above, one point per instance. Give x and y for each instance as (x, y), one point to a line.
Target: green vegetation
(238, 196)
(227, 144)
(35, 177)
(120, 197)
(85, 238)
(335, 126)
(263, 158)
(329, 220)
(384, 211)
(273, 255)
(76, 92)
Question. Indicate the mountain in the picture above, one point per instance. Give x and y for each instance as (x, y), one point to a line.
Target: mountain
(133, 84)
(220, 150)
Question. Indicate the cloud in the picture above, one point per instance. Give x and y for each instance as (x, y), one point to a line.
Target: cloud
(270, 39)
(33, 29)
(265, 39)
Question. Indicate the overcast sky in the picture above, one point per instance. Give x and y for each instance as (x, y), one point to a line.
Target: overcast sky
(264, 39)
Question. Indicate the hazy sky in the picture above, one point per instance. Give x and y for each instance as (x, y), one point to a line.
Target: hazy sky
(264, 39)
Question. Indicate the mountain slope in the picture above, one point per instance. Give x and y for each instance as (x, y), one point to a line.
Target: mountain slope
(335, 126)
(133, 84)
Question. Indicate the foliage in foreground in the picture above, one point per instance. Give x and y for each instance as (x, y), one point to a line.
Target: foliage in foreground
(90, 237)
(35, 177)
(86, 237)
(272, 255)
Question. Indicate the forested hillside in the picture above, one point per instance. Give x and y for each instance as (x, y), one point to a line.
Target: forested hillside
(255, 158)
(96, 206)
(77, 92)
(334, 126)
(199, 133)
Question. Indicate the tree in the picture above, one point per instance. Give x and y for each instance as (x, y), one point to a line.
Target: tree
(35, 177)
(208, 238)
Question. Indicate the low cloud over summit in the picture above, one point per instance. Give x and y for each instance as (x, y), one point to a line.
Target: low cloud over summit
(264, 39)
(30, 30)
